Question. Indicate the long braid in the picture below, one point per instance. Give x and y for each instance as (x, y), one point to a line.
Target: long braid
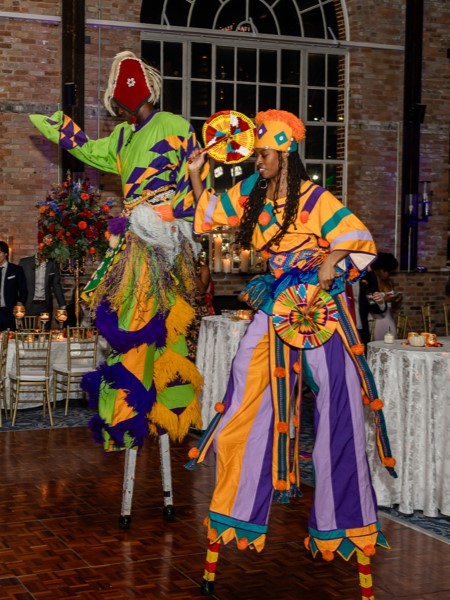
(257, 197)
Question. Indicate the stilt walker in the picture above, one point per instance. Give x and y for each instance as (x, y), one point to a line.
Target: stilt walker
(143, 290)
(302, 332)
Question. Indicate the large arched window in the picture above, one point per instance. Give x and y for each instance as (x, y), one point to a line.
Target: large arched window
(252, 55)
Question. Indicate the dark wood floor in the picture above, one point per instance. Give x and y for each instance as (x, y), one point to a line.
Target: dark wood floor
(59, 537)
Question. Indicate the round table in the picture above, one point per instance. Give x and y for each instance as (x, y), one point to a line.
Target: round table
(414, 384)
(218, 341)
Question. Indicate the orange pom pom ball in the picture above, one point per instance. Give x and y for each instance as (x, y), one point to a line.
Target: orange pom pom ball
(304, 216)
(377, 404)
(280, 372)
(219, 407)
(327, 555)
(292, 477)
(278, 273)
(206, 521)
(366, 399)
(295, 420)
(264, 218)
(307, 542)
(243, 200)
(233, 221)
(242, 544)
(212, 534)
(323, 243)
(390, 462)
(296, 367)
(194, 453)
(282, 427)
(206, 227)
(265, 254)
(281, 485)
(369, 550)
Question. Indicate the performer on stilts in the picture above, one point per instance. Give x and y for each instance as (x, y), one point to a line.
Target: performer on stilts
(143, 290)
(302, 331)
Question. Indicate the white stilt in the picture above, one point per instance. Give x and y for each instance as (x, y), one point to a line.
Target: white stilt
(166, 474)
(128, 487)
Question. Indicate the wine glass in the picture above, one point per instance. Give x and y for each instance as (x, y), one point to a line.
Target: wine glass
(44, 318)
(61, 316)
(19, 313)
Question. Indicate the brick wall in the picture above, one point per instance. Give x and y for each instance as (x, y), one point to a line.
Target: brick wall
(30, 52)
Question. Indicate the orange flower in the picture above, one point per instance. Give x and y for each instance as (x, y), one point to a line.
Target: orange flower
(107, 235)
(42, 209)
(264, 218)
(194, 453)
(84, 196)
(242, 544)
(327, 555)
(105, 208)
(376, 404)
(82, 225)
(92, 250)
(280, 372)
(51, 213)
(282, 427)
(219, 407)
(357, 349)
(206, 226)
(304, 216)
(233, 221)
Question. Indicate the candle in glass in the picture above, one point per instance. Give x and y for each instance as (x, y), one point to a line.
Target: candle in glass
(245, 259)
(226, 265)
(218, 254)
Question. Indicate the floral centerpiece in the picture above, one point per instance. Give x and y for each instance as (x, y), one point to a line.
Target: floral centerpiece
(73, 223)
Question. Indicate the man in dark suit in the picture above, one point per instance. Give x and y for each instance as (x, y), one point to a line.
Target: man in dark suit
(43, 279)
(13, 288)
(368, 300)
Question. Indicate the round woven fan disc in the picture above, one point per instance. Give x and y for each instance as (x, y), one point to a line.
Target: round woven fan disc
(305, 316)
(229, 136)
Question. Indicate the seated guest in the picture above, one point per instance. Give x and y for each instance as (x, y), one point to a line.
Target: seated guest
(368, 301)
(13, 288)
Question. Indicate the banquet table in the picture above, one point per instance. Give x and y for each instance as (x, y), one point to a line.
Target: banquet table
(218, 340)
(58, 358)
(414, 385)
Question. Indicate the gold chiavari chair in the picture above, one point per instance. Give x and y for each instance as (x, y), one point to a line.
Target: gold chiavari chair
(4, 340)
(446, 311)
(402, 326)
(32, 371)
(27, 323)
(371, 329)
(426, 316)
(82, 343)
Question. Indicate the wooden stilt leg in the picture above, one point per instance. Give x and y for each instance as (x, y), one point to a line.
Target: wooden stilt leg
(212, 556)
(166, 474)
(128, 487)
(365, 576)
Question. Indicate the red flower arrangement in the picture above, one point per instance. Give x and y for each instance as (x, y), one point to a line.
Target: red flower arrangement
(72, 222)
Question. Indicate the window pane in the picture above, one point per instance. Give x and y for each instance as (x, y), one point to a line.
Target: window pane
(246, 100)
(224, 96)
(316, 108)
(225, 63)
(314, 142)
(172, 96)
(332, 143)
(201, 61)
(200, 99)
(333, 69)
(268, 66)
(151, 53)
(332, 105)
(290, 66)
(331, 178)
(173, 60)
(246, 65)
(290, 99)
(316, 69)
(315, 171)
(197, 124)
(267, 97)
(313, 24)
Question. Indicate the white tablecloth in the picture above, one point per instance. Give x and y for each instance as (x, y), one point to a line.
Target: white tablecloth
(415, 386)
(218, 341)
(58, 358)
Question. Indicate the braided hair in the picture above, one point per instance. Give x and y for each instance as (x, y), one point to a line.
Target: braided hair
(257, 197)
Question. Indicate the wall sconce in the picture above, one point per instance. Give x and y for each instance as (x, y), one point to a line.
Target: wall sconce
(419, 205)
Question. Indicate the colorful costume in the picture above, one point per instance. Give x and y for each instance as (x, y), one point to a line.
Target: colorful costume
(143, 289)
(251, 430)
